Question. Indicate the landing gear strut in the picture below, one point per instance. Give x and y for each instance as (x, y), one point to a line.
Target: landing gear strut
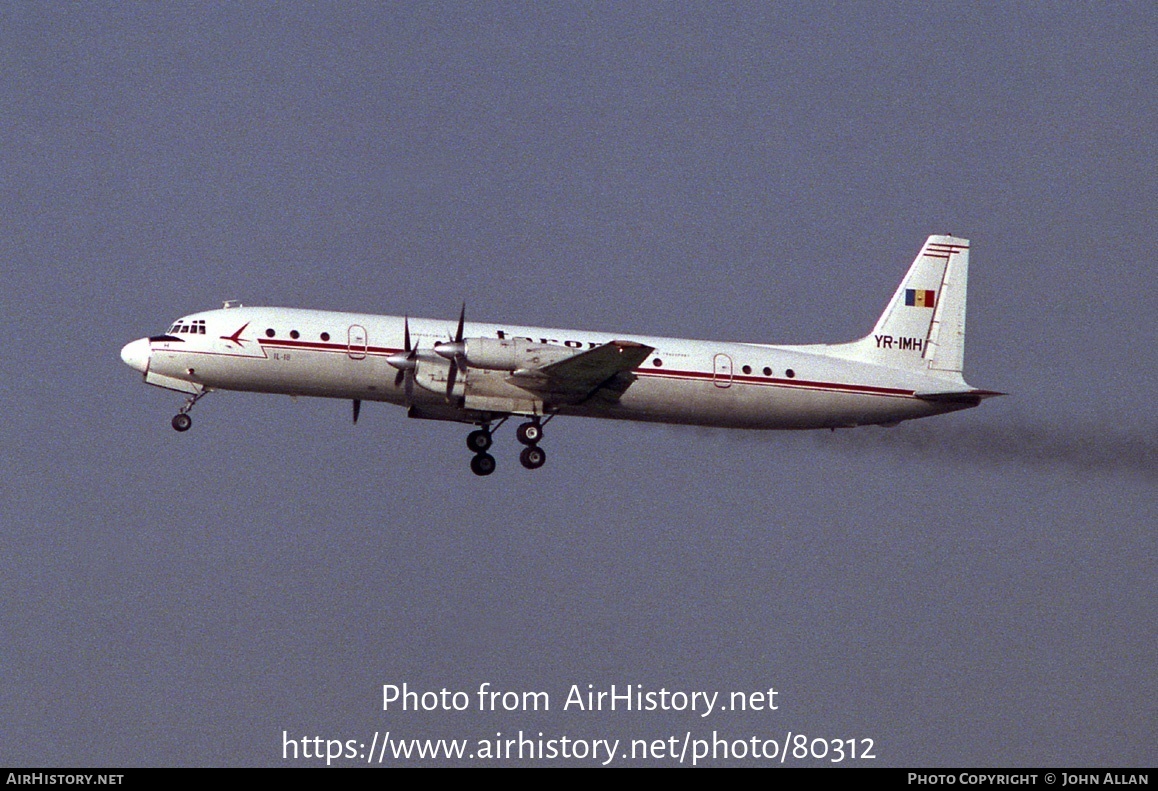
(181, 421)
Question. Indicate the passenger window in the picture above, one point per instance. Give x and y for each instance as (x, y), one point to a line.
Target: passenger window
(325, 336)
(294, 334)
(270, 333)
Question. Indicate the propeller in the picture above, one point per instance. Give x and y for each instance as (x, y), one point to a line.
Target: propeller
(406, 361)
(455, 351)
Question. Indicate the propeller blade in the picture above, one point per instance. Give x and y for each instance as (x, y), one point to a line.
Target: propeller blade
(455, 351)
(406, 333)
(450, 377)
(357, 409)
(409, 371)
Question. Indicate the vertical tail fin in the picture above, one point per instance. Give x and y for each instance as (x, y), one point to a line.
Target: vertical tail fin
(923, 327)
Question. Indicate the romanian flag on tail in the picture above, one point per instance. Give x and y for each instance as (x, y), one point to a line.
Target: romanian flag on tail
(920, 299)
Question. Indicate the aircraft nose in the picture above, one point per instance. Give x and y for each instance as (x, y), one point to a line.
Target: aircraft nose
(136, 354)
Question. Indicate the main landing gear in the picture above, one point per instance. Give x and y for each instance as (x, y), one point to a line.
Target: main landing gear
(182, 421)
(529, 434)
(480, 441)
(533, 457)
(482, 464)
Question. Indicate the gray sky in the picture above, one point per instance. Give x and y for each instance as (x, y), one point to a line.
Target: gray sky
(976, 589)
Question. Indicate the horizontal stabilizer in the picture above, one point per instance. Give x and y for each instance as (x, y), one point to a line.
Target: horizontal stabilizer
(963, 397)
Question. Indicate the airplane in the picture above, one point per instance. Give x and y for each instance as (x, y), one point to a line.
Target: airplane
(909, 366)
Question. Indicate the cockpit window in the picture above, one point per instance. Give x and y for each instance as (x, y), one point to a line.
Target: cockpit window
(196, 328)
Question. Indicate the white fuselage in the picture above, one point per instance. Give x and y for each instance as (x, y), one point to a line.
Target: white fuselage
(708, 383)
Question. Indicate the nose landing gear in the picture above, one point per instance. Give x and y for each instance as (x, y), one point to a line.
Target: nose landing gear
(181, 421)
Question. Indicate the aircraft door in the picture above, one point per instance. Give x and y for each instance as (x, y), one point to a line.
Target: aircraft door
(356, 344)
(722, 375)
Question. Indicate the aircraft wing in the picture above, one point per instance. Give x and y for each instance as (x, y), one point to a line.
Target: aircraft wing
(576, 379)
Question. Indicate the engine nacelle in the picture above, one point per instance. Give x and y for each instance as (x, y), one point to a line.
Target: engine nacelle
(510, 354)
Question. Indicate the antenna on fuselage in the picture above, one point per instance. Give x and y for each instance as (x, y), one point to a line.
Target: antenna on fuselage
(232, 303)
